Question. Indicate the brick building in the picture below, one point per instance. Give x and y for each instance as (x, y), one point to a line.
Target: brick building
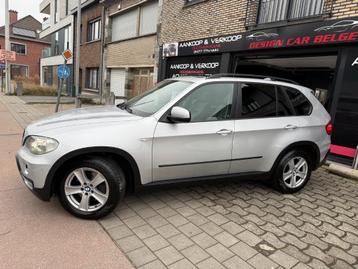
(91, 46)
(131, 45)
(25, 41)
(313, 42)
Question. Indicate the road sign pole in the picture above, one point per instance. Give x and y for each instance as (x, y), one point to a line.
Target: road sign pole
(78, 58)
(7, 45)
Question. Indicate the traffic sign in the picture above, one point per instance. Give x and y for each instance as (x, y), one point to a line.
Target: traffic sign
(63, 71)
(7, 55)
(67, 55)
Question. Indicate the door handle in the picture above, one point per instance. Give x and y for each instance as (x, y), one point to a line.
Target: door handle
(224, 132)
(290, 127)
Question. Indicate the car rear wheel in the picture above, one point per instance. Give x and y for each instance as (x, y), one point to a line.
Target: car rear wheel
(293, 171)
(91, 188)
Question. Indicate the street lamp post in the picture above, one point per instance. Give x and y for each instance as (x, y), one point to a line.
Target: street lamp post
(78, 58)
(7, 45)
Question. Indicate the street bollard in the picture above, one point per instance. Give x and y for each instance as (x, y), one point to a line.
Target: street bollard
(355, 161)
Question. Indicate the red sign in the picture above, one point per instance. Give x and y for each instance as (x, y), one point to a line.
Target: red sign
(7, 55)
(67, 54)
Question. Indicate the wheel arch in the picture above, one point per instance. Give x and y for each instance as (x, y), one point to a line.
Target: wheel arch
(121, 157)
(309, 146)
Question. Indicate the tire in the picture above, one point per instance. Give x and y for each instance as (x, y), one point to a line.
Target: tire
(91, 188)
(288, 180)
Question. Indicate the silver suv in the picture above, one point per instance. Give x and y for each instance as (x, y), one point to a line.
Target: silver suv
(184, 130)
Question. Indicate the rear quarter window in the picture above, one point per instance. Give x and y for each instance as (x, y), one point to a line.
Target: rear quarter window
(299, 101)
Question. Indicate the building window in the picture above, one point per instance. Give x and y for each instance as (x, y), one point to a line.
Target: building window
(19, 71)
(92, 78)
(55, 17)
(192, 2)
(18, 48)
(136, 22)
(279, 10)
(94, 30)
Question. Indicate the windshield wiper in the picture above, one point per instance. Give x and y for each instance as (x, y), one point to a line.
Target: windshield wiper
(125, 106)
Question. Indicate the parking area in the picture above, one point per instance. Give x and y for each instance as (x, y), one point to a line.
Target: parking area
(229, 224)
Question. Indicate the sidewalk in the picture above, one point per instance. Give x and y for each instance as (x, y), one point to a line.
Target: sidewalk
(36, 234)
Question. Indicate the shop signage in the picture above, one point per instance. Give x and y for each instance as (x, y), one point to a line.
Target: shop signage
(7, 55)
(193, 66)
(308, 34)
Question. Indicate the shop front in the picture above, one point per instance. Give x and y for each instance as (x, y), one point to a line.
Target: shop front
(320, 55)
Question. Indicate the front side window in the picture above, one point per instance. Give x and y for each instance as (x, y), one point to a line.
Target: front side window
(94, 30)
(18, 48)
(151, 101)
(210, 102)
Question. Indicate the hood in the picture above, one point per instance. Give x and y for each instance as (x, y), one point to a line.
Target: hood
(80, 118)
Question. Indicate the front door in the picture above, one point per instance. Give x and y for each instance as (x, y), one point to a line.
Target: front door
(202, 146)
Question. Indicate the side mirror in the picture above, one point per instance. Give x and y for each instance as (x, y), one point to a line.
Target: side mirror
(179, 114)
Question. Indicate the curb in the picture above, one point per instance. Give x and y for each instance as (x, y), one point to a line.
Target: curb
(343, 171)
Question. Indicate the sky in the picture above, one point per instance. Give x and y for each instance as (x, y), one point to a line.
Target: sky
(24, 7)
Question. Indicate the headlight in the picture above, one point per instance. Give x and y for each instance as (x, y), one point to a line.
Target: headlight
(40, 145)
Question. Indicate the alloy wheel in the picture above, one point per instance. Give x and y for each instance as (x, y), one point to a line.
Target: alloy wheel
(295, 172)
(86, 189)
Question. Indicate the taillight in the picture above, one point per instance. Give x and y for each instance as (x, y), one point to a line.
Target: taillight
(329, 128)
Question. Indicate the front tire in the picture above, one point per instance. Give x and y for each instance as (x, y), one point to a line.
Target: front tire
(91, 188)
(293, 171)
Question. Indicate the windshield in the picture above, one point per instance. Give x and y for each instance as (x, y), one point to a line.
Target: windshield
(151, 101)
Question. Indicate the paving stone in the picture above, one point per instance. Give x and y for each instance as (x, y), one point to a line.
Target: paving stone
(232, 228)
(334, 240)
(349, 228)
(119, 232)
(177, 220)
(130, 243)
(239, 210)
(157, 264)
(189, 229)
(141, 256)
(252, 227)
(167, 230)
(309, 228)
(317, 264)
(255, 219)
(180, 241)
(218, 219)
(195, 254)
(341, 254)
(219, 252)
(156, 242)
(157, 204)
(205, 211)
(226, 239)
(283, 259)
(354, 251)
(314, 240)
(146, 213)
(197, 219)
(110, 221)
(341, 264)
(301, 266)
(211, 228)
(296, 253)
(182, 264)
(169, 255)
(144, 231)
(269, 227)
(134, 222)
(186, 211)
(124, 213)
(236, 263)
(157, 221)
(293, 240)
(273, 240)
(259, 261)
(350, 238)
(319, 254)
(166, 212)
(210, 264)
(249, 238)
(204, 240)
(243, 250)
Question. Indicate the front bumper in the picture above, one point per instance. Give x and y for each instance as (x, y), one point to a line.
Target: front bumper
(33, 171)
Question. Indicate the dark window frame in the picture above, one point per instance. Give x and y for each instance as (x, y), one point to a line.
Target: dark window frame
(17, 45)
(188, 3)
(88, 81)
(91, 31)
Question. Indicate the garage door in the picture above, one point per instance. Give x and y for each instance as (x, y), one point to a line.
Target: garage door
(118, 80)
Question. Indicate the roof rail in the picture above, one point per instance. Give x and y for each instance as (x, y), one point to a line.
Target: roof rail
(253, 76)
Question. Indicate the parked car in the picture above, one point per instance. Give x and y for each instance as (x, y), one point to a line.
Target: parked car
(184, 130)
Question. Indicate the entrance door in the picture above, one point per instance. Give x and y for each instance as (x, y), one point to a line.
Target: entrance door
(202, 146)
(118, 80)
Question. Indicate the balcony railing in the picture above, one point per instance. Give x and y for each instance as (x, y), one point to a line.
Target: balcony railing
(269, 11)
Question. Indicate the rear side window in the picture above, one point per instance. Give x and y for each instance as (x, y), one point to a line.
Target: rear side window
(258, 100)
(300, 104)
(266, 100)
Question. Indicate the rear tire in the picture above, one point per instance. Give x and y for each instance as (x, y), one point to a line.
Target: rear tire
(91, 188)
(293, 171)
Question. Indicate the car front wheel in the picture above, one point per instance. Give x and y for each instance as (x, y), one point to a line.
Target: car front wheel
(293, 171)
(91, 188)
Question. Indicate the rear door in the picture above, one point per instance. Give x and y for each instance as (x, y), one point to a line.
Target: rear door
(268, 122)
